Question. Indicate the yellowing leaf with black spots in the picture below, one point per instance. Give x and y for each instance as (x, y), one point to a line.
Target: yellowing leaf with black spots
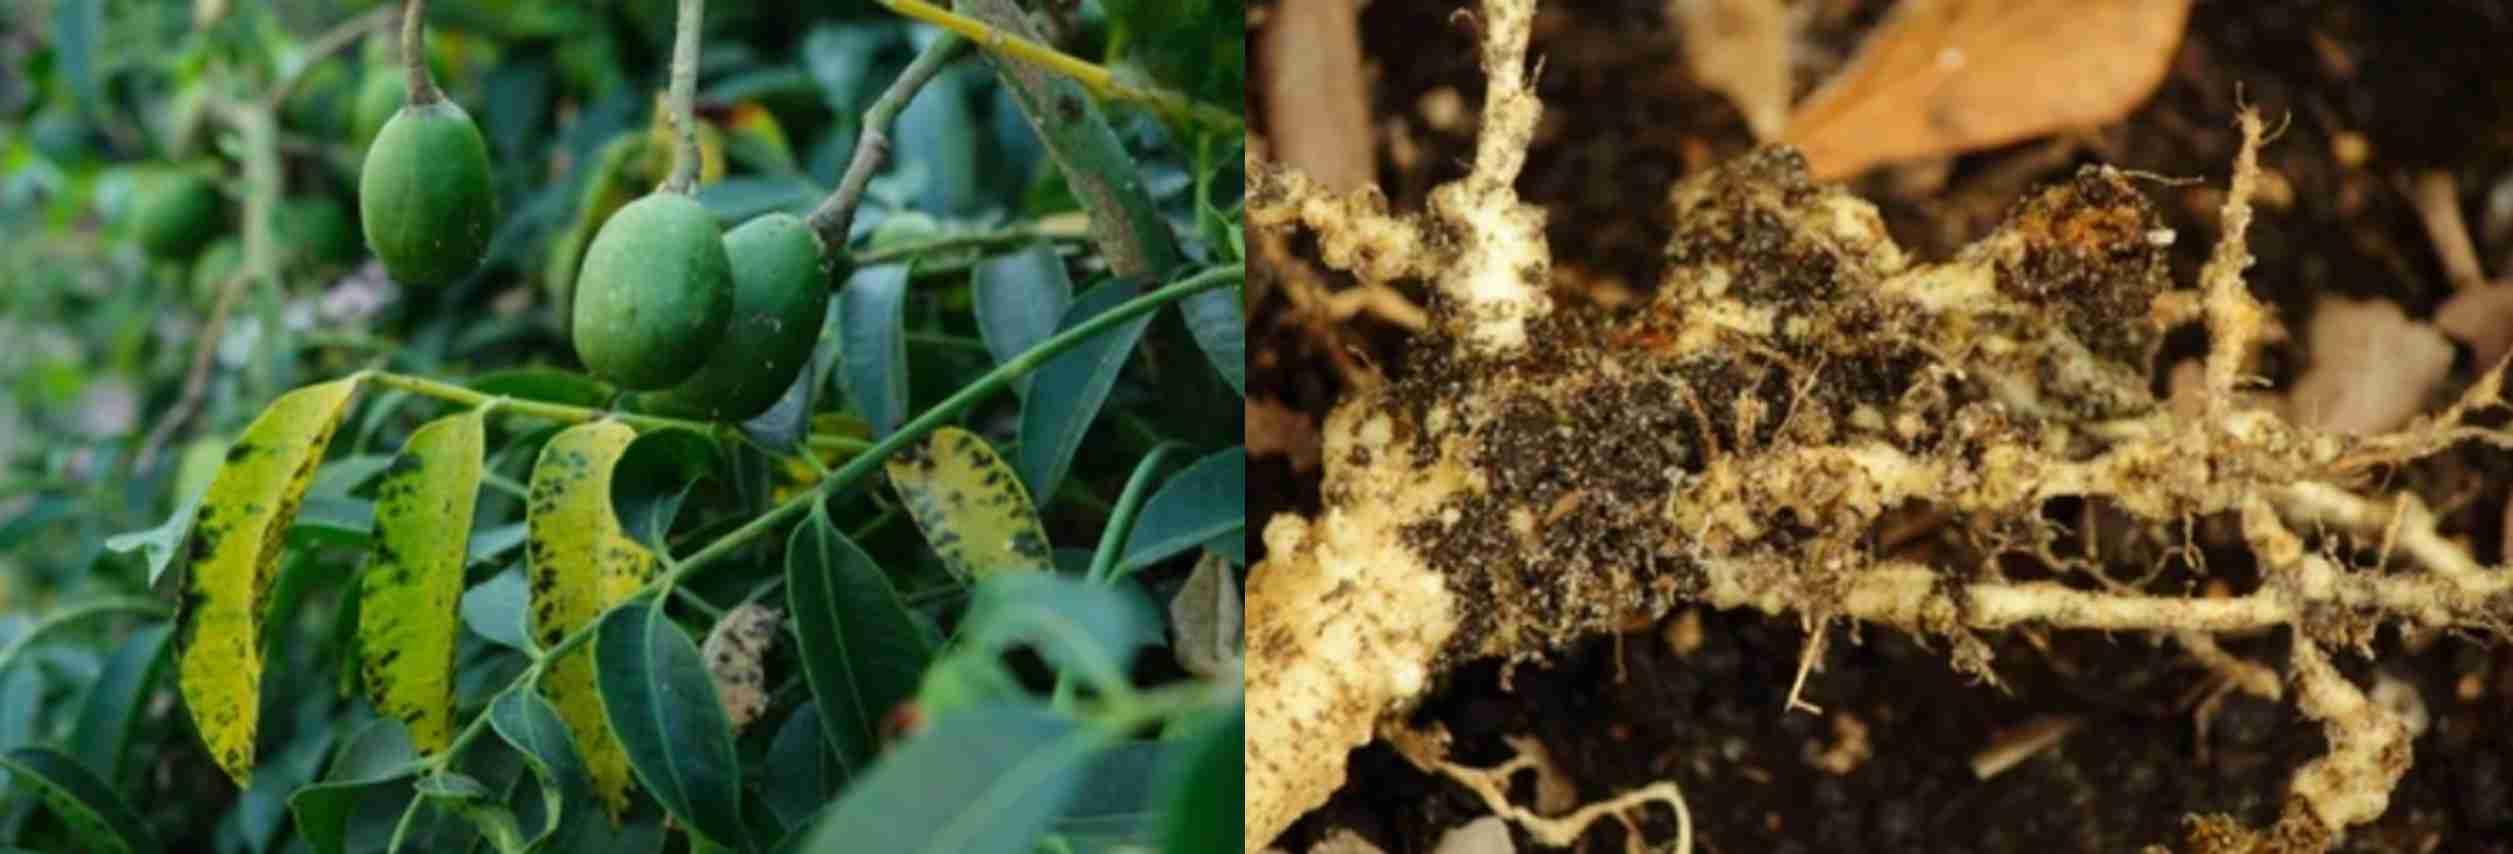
(581, 564)
(236, 540)
(972, 508)
(410, 598)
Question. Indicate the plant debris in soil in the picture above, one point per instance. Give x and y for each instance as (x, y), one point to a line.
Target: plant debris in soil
(2146, 735)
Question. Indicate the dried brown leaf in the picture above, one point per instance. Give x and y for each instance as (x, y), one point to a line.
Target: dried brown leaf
(1942, 77)
(1740, 48)
(2372, 368)
(733, 651)
(2481, 317)
(1317, 99)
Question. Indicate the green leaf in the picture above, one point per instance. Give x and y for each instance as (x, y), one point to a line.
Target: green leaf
(580, 564)
(489, 543)
(528, 723)
(1091, 630)
(860, 650)
(545, 384)
(654, 475)
(473, 800)
(1118, 803)
(1018, 299)
(1206, 500)
(235, 548)
(659, 701)
(95, 814)
(875, 346)
(970, 505)
(161, 544)
(494, 609)
(988, 779)
(369, 772)
(1218, 320)
(1207, 791)
(411, 593)
(103, 728)
(798, 780)
(1066, 394)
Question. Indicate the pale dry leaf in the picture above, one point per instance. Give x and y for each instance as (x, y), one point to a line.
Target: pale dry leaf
(1317, 101)
(1344, 841)
(733, 651)
(2372, 368)
(1206, 614)
(2481, 317)
(1943, 77)
(1277, 430)
(1486, 835)
(1740, 48)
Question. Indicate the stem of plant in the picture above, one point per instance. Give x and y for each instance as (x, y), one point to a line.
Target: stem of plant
(836, 214)
(861, 466)
(1112, 542)
(1096, 77)
(1112, 538)
(452, 393)
(75, 613)
(414, 55)
(998, 238)
(333, 41)
(684, 176)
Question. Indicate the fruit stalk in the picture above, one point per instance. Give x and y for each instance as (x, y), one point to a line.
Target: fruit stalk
(414, 54)
(836, 214)
(684, 175)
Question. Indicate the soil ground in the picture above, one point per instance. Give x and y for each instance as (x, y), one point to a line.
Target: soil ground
(2422, 85)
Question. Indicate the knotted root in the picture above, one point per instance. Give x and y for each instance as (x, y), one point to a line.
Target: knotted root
(1539, 475)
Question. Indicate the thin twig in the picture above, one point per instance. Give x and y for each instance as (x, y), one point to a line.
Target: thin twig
(684, 92)
(195, 379)
(1096, 77)
(339, 37)
(836, 214)
(414, 54)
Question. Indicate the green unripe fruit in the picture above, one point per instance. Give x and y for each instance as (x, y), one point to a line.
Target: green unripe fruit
(177, 212)
(379, 97)
(316, 229)
(780, 294)
(217, 263)
(654, 295)
(424, 193)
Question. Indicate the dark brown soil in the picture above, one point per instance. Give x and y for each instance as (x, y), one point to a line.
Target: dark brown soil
(2427, 85)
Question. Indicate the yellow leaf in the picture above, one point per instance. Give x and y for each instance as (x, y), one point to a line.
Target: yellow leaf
(412, 592)
(236, 540)
(581, 565)
(971, 506)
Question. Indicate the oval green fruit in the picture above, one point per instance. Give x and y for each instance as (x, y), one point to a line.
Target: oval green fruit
(314, 229)
(379, 96)
(780, 295)
(177, 213)
(424, 193)
(654, 295)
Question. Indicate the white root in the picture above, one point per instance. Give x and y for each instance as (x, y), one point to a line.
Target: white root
(1540, 476)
